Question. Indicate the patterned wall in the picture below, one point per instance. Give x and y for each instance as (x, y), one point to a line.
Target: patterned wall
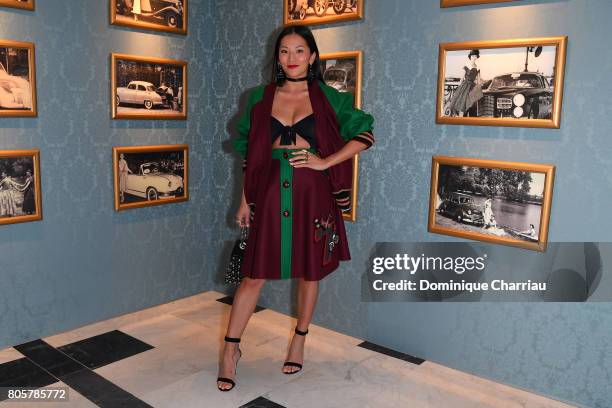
(560, 350)
(84, 262)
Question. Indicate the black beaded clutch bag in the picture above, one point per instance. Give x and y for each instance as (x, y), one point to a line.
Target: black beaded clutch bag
(232, 275)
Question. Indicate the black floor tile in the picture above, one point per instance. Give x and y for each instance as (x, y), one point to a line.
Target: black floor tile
(228, 300)
(100, 391)
(49, 358)
(103, 349)
(391, 353)
(23, 373)
(261, 402)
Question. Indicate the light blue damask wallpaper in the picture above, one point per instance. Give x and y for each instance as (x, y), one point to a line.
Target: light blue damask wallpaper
(84, 262)
(561, 350)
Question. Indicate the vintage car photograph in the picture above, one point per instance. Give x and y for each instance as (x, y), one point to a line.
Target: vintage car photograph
(342, 71)
(21, 4)
(493, 201)
(502, 83)
(150, 175)
(17, 79)
(20, 194)
(148, 88)
(160, 15)
(312, 12)
(457, 3)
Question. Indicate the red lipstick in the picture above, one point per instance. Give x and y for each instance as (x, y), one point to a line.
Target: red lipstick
(292, 66)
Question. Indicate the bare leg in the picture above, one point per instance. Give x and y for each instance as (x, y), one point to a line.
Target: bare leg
(243, 306)
(307, 300)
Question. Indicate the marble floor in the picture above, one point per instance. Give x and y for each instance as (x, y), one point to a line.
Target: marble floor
(167, 356)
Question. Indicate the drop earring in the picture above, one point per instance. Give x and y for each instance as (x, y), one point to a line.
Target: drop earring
(280, 74)
(311, 74)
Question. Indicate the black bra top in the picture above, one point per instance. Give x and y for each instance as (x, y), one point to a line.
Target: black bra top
(305, 128)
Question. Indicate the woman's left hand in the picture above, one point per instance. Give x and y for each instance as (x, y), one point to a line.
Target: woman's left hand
(303, 158)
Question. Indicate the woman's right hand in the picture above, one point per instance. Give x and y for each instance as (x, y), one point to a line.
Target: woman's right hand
(243, 215)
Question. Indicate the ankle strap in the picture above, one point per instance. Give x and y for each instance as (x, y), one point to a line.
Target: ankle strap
(301, 333)
(232, 339)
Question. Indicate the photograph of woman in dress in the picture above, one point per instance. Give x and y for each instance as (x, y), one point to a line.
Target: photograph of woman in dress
(29, 198)
(469, 91)
(8, 207)
(297, 136)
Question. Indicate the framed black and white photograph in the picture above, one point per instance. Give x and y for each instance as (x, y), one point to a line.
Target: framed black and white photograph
(502, 83)
(343, 71)
(494, 201)
(20, 4)
(20, 194)
(456, 3)
(150, 175)
(312, 12)
(17, 79)
(148, 88)
(160, 15)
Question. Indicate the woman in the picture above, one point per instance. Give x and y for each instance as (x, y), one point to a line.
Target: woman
(487, 213)
(28, 206)
(298, 135)
(124, 170)
(8, 208)
(468, 91)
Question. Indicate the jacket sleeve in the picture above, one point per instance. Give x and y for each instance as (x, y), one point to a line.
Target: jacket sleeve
(354, 123)
(240, 144)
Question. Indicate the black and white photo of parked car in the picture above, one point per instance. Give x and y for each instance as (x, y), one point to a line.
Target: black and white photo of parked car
(148, 88)
(502, 83)
(501, 202)
(20, 194)
(21, 4)
(150, 175)
(17, 79)
(342, 71)
(321, 11)
(161, 15)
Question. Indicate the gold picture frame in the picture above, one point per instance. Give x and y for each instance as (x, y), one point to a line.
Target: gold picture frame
(311, 12)
(542, 106)
(143, 103)
(150, 175)
(457, 3)
(17, 188)
(174, 18)
(12, 54)
(25, 5)
(458, 206)
(357, 56)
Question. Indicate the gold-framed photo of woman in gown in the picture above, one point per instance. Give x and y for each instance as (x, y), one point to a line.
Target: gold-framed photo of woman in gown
(159, 15)
(20, 194)
(310, 12)
(150, 175)
(343, 71)
(457, 3)
(494, 201)
(17, 79)
(20, 4)
(516, 82)
(148, 88)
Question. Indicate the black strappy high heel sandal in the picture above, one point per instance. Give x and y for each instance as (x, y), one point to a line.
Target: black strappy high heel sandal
(229, 380)
(291, 363)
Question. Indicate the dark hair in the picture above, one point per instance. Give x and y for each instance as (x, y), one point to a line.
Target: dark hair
(474, 52)
(306, 34)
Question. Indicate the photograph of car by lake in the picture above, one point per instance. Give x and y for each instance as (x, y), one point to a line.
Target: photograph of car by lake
(21, 4)
(148, 88)
(160, 15)
(456, 3)
(312, 12)
(20, 194)
(17, 79)
(494, 201)
(150, 175)
(501, 83)
(342, 71)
